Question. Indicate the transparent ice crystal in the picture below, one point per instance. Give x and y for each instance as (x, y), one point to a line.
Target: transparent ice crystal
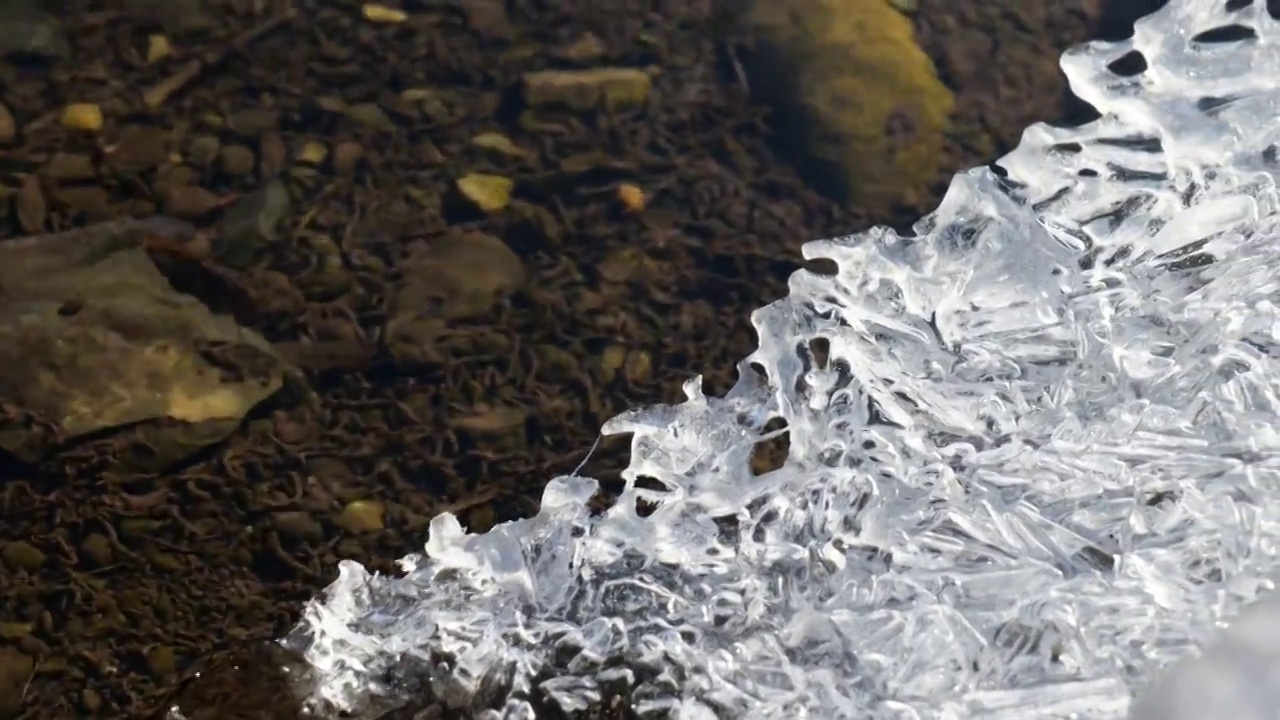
(1032, 454)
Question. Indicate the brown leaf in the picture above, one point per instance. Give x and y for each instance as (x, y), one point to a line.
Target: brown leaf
(31, 205)
(488, 17)
(190, 202)
(273, 153)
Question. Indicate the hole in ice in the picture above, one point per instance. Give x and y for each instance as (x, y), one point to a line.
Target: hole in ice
(1087, 172)
(1137, 143)
(822, 267)
(1237, 5)
(820, 352)
(651, 487)
(771, 454)
(728, 530)
(1125, 174)
(1205, 570)
(1067, 148)
(1226, 34)
(1096, 558)
(1271, 155)
(877, 416)
(801, 386)
(652, 484)
(1129, 64)
(1019, 638)
(1208, 105)
(760, 532)
(1273, 9)
(1192, 262)
(1167, 498)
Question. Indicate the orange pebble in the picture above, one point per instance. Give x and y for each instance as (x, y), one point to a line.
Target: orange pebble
(631, 197)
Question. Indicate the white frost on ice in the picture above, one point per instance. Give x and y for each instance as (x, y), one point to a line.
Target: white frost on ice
(1038, 468)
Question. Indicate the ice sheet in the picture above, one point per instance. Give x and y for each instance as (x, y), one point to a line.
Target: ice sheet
(1037, 468)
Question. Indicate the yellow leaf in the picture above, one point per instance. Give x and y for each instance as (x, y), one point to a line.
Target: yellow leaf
(498, 143)
(374, 12)
(490, 193)
(361, 516)
(313, 153)
(631, 197)
(158, 48)
(82, 116)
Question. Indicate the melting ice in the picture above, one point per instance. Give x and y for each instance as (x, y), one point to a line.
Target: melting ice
(1034, 466)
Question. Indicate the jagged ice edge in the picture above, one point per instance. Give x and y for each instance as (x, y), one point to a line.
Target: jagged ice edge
(1035, 466)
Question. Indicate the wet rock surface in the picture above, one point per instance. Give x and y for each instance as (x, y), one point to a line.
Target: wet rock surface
(416, 255)
(94, 339)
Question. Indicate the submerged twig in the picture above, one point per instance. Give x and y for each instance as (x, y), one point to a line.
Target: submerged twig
(160, 93)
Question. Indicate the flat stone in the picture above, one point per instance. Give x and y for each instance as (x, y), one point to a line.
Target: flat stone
(94, 338)
(460, 275)
(70, 167)
(613, 88)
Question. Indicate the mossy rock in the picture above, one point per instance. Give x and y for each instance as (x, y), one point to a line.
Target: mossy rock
(857, 101)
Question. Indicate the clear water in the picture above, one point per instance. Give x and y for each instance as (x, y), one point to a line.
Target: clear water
(1037, 467)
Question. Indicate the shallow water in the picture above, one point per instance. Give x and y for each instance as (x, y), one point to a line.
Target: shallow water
(1033, 468)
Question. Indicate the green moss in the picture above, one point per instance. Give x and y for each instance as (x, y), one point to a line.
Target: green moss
(856, 97)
